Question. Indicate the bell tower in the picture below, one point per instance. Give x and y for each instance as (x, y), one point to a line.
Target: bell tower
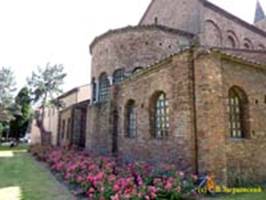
(260, 18)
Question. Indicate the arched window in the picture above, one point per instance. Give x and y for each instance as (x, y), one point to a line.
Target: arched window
(118, 76)
(131, 119)
(160, 115)
(230, 42)
(94, 90)
(104, 87)
(248, 44)
(261, 47)
(238, 112)
(213, 33)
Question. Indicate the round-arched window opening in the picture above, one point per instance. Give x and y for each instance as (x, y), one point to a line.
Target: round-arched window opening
(230, 42)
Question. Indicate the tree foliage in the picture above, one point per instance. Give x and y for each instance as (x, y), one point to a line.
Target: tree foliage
(45, 84)
(7, 89)
(19, 125)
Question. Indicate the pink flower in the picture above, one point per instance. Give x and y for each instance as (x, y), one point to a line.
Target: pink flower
(116, 188)
(91, 190)
(99, 176)
(115, 197)
(168, 186)
(152, 189)
(111, 178)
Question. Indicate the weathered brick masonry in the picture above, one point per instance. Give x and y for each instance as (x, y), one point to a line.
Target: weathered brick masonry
(210, 67)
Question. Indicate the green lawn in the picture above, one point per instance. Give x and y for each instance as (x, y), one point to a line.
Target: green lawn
(249, 196)
(259, 196)
(22, 178)
(19, 147)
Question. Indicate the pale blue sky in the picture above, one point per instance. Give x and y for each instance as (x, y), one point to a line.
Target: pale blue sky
(34, 32)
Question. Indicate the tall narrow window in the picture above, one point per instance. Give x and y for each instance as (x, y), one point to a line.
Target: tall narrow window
(63, 129)
(118, 76)
(160, 115)
(94, 90)
(68, 128)
(104, 87)
(238, 113)
(131, 119)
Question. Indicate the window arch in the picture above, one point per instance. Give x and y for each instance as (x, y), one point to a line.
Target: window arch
(238, 112)
(118, 76)
(248, 44)
(230, 42)
(261, 47)
(104, 87)
(213, 33)
(159, 115)
(131, 119)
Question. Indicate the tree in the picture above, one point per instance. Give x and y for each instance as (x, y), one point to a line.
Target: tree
(7, 106)
(19, 125)
(7, 89)
(44, 85)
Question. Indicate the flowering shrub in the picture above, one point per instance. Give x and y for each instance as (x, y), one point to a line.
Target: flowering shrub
(106, 178)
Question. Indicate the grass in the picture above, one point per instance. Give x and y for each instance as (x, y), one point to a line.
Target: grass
(25, 179)
(256, 196)
(243, 196)
(19, 147)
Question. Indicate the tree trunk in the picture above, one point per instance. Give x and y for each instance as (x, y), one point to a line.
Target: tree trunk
(45, 135)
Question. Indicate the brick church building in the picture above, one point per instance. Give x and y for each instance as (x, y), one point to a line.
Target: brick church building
(187, 85)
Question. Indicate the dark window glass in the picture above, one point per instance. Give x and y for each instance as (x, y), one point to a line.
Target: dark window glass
(68, 128)
(104, 87)
(63, 129)
(94, 90)
(247, 46)
(238, 113)
(161, 116)
(131, 119)
(118, 76)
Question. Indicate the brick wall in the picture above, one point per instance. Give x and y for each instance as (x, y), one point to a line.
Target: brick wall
(216, 28)
(212, 24)
(133, 47)
(246, 156)
(178, 14)
(172, 77)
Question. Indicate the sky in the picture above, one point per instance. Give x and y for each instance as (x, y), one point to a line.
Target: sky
(34, 32)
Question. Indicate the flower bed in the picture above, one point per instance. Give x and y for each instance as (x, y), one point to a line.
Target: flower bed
(106, 178)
